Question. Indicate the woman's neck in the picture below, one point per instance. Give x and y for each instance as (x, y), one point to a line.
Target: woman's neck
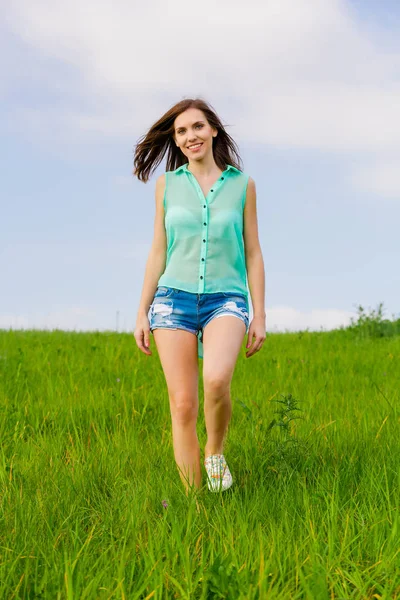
(205, 168)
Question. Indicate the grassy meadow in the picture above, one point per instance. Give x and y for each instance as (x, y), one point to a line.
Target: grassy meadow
(92, 506)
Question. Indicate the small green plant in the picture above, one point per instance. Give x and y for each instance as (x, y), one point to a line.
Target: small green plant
(223, 579)
(373, 325)
(288, 448)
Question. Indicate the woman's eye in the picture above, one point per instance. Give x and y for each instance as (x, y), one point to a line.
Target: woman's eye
(198, 125)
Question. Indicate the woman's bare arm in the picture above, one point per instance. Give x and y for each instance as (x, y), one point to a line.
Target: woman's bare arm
(156, 261)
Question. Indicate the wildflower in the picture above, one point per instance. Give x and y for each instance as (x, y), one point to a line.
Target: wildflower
(118, 380)
(164, 503)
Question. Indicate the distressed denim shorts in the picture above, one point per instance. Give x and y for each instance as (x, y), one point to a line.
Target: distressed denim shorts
(177, 309)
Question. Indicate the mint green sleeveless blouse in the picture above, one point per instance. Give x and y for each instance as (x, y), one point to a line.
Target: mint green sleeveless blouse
(205, 245)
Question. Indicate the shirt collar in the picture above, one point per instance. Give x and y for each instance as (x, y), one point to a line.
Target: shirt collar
(184, 168)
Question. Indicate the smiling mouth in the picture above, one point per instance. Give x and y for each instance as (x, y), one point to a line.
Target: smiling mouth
(195, 146)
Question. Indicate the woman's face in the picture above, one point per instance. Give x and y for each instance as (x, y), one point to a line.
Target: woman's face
(193, 134)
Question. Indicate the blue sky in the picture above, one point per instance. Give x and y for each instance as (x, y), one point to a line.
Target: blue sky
(310, 94)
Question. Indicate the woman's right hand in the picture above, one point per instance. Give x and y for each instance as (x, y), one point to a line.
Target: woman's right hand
(142, 334)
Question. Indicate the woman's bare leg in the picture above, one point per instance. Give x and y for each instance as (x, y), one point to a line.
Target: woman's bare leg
(222, 339)
(177, 350)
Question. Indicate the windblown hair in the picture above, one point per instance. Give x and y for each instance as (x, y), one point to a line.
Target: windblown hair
(152, 146)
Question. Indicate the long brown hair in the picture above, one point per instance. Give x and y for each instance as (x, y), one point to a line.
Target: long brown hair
(152, 146)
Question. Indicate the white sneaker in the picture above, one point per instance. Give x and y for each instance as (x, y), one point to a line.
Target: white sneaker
(218, 473)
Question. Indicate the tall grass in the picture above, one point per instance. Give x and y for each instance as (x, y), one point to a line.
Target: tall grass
(92, 505)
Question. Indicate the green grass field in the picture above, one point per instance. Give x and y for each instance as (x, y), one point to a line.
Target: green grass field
(92, 505)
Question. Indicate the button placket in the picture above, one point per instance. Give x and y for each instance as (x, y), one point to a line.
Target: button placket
(204, 243)
(204, 200)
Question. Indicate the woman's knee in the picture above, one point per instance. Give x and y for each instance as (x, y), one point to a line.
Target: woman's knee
(216, 385)
(184, 407)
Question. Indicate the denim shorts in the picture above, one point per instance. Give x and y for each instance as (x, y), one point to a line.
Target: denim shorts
(177, 309)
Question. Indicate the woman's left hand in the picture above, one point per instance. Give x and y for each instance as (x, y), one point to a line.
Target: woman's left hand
(257, 330)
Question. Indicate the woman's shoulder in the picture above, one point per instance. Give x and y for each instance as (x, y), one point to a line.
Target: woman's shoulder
(161, 181)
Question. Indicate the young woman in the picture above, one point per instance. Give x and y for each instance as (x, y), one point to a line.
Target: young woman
(194, 298)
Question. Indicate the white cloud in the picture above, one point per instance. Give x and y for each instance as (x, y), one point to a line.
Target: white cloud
(381, 178)
(8, 321)
(327, 116)
(301, 73)
(285, 318)
(70, 318)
